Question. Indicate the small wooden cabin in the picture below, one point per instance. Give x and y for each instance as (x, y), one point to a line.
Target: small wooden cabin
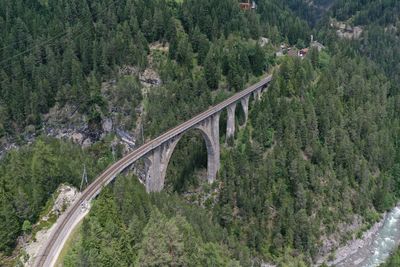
(247, 5)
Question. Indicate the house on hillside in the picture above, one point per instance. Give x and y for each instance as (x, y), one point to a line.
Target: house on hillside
(248, 5)
(303, 52)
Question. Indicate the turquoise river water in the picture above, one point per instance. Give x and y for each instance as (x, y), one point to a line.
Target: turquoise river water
(383, 242)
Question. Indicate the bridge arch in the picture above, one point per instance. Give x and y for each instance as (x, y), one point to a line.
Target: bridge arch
(157, 160)
(48, 254)
(242, 113)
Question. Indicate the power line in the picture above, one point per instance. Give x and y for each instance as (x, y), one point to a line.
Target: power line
(84, 178)
(32, 48)
(56, 37)
(18, 42)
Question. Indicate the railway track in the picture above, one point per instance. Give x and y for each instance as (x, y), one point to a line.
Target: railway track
(57, 240)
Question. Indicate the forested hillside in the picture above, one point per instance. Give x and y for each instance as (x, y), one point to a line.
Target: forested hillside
(59, 53)
(321, 149)
(380, 20)
(318, 150)
(367, 12)
(30, 175)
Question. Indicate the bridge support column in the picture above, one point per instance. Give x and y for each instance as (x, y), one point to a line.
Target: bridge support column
(156, 165)
(245, 106)
(257, 94)
(230, 127)
(209, 129)
(263, 89)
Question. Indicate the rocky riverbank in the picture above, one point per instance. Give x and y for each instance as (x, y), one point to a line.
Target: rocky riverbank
(354, 245)
(363, 251)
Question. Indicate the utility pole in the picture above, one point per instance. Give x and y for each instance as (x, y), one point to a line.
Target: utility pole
(113, 151)
(142, 133)
(84, 177)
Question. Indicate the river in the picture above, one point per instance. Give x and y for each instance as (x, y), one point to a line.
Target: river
(381, 244)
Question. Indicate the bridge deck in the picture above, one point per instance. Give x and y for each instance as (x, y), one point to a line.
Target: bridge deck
(49, 254)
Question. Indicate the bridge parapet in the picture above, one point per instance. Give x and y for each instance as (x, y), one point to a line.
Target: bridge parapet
(157, 154)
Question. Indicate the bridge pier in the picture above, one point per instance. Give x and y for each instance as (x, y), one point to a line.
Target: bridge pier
(230, 127)
(210, 132)
(245, 105)
(156, 163)
(257, 94)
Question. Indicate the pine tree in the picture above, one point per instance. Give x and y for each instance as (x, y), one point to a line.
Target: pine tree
(212, 69)
(162, 243)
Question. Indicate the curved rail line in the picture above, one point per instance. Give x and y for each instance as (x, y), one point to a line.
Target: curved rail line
(66, 222)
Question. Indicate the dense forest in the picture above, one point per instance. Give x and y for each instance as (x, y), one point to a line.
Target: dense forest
(30, 175)
(59, 53)
(276, 183)
(321, 147)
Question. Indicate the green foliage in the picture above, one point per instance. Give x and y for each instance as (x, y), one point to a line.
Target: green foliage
(26, 227)
(155, 230)
(30, 175)
(311, 133)
(127, 97)
(393, 261)
(10, 225)
(62, 52)
(321, 146)
(367, 12)
(89, 41)
(50, 50)
(212, 69)
(163, 243)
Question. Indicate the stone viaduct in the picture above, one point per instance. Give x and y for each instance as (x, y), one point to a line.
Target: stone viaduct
(157, 154)
(158, 158)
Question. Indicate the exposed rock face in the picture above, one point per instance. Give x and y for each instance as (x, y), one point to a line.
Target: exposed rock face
(330, 243)
(346, 31)
(107, 125)
(86, 143)
(263, 41)
(6, 147)
(66, 196)
(392, 29)
(350, 33)
(66, 123)
(128, 70)
(163, 47)
(149, 78)
(341, 252)
(77, 138)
